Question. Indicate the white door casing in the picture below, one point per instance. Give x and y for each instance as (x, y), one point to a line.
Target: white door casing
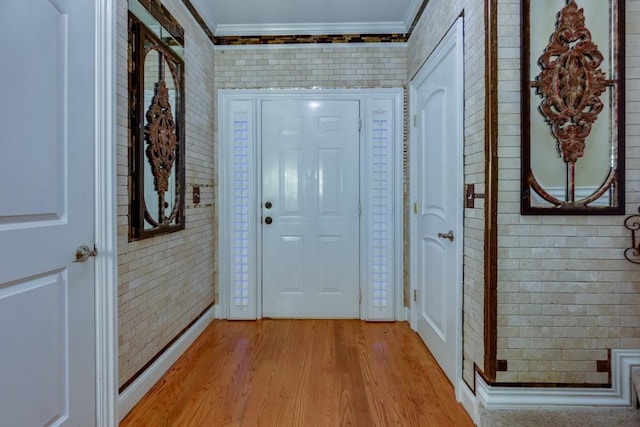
(58, 128)
(437, 192)
(380, 184)
(310, 208)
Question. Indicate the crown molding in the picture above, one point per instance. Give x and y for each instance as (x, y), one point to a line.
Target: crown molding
(207, 15)
(281, 46)
(310, 29)
(412, 12)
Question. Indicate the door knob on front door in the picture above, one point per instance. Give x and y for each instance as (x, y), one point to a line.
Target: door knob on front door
(84, 252)
(448, 235)
(268, 220)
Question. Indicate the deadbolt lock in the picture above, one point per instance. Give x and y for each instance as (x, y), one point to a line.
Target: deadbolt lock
(268, 220)
(268, 205)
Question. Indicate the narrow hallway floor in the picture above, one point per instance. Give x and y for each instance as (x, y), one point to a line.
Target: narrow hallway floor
(303, 373)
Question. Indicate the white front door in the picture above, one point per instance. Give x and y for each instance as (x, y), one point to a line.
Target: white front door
(437, 181)
(47, 350)
(310, 209)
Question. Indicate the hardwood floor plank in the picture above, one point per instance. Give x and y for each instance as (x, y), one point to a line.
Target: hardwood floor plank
(325, 373)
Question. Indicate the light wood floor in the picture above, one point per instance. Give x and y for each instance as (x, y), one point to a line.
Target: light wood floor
(303, 373)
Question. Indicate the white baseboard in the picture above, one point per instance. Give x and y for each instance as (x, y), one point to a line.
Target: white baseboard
(218, 312)
(620, 393)
(407, 314)
(141, 386)
(468, 400)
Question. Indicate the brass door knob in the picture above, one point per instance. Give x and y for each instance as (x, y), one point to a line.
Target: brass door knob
(448, 235)
(84, 252)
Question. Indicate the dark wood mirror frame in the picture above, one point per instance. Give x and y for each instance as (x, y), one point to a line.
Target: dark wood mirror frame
(569, 106)
(156, 134)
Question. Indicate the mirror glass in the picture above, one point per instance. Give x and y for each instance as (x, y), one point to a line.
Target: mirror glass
(572, 106)
(160, 193)
(156, 87)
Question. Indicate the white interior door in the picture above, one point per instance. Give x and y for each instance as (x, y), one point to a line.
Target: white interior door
(438, 190)
(310, 209)
(47, 356)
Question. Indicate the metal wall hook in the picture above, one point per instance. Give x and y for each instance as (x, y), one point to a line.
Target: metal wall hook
(632, 223)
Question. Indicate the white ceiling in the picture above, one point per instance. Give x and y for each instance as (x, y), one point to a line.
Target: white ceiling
(307, 17)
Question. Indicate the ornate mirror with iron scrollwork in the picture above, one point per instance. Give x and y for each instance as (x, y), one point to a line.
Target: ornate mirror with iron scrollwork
(156, 158)
(572, 107)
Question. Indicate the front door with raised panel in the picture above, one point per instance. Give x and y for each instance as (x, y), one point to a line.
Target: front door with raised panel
(310, 209)
(47, 345)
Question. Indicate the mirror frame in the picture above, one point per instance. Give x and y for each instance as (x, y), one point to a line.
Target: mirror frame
(616, 177)
(139, 37)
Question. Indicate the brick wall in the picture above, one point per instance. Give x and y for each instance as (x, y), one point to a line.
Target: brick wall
(565, 292)
(436, 20)
(325, 66)
(165, 282)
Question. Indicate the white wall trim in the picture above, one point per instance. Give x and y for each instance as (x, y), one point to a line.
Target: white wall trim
(393, 27)
(413, 219)
(412, 12)
(319, 28)
(620, 393)
(217, 313)
(308, 46)
(207, 14)
(399, 207)
(224, 214)
(136, 391)
(468, 400)
(106, 263)
(407, 314)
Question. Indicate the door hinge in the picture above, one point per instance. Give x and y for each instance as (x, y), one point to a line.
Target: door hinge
(416, 208)
(359, 209)
(360, 297)
(415, 120)
(415, 295)
(359, 124)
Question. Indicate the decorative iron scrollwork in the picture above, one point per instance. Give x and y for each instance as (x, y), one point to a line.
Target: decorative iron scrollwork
(571, 82)
(632, 223)
(156, 87)
(161, 138)
(162, 141)
(572, 108)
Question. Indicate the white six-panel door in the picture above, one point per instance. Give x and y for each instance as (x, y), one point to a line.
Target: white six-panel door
(438, 209)
(310, 209)
(47, 356)
(331, 171)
